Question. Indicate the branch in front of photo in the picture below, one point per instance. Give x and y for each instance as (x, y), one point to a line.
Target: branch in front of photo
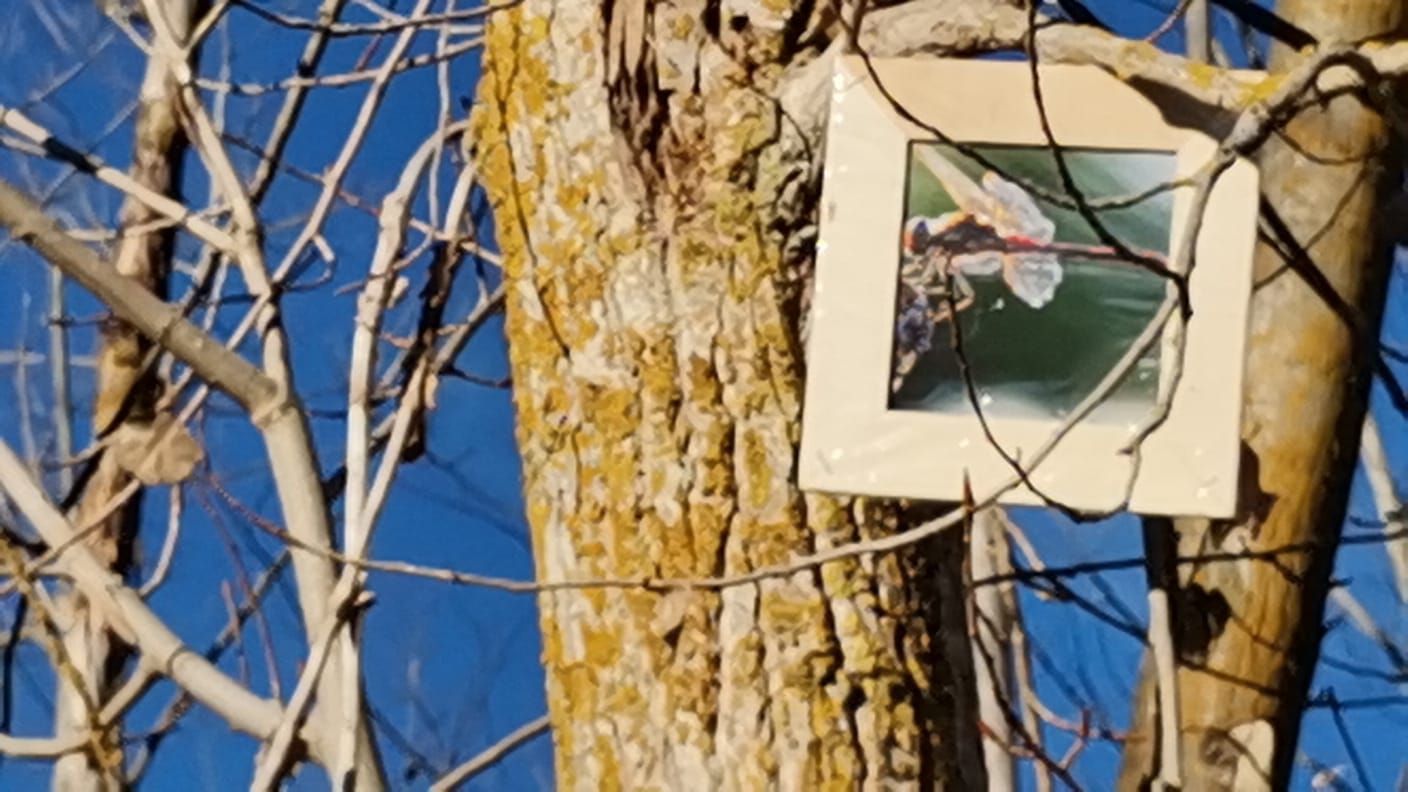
(1251, 130)
(1179, 278)
(1177, 275)
(959, 28)
(974, 236)
(970, 389)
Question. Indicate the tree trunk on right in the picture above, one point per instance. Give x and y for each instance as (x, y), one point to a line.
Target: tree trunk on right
(1249, 629)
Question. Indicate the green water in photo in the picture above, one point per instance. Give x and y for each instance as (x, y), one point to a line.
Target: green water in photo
(1040, 363)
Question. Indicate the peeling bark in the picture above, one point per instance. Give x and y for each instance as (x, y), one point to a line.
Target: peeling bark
(654, 207)
(1250, 629)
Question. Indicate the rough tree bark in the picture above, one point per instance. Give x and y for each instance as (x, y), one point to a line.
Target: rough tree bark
(1250, 628)
(654, 206)
(125, 418)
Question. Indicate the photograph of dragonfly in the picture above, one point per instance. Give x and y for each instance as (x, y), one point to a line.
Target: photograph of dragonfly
(1044, 308)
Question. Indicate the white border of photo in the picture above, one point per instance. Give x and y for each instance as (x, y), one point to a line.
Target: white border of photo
(853, 443)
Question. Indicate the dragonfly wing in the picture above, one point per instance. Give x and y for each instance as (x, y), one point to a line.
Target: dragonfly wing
(1033, 277)
(986, 263)
(1015, 212)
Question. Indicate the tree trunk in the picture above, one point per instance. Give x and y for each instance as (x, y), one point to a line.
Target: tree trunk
(1250, 628)
(124, 416)
(655, 209)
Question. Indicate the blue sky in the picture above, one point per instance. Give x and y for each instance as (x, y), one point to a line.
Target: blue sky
(453, 669)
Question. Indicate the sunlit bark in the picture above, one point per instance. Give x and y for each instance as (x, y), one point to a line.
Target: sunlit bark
(1250, 628)
(655, 210)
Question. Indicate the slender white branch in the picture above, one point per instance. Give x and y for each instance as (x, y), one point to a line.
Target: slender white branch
(292, 457)
(1197, 30)
(1161, 552)
(1386, 502)
(353, 143)
(173, 209)
(362, 506)
(490, 755)
(1161, 648)
(168, 545)
(989, 631)
(1022, 665)
(272, 763)
(41, 747)
(130, 617)
(59, 363)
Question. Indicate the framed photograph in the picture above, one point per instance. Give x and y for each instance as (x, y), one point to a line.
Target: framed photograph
(974, 316)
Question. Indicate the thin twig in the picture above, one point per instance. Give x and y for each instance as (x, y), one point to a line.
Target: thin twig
(491, 755)
(168, 544)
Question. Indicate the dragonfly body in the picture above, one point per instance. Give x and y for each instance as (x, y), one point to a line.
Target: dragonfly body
(997, 228)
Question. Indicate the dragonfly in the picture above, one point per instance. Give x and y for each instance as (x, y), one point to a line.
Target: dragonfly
(997, 228)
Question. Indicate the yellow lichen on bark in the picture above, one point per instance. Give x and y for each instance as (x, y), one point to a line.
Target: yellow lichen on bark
(654, 346)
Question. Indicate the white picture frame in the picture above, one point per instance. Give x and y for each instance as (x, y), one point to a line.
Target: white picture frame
(869, 429)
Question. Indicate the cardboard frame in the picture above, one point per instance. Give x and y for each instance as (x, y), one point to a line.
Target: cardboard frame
(853, 443)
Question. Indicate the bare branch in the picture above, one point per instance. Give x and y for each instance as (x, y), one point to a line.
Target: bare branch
(166, 206)
(1197, 31)
(157, 320)
(490, 755)
(1386, 500)
(41, 747)
(990, 624)
(130, 617)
